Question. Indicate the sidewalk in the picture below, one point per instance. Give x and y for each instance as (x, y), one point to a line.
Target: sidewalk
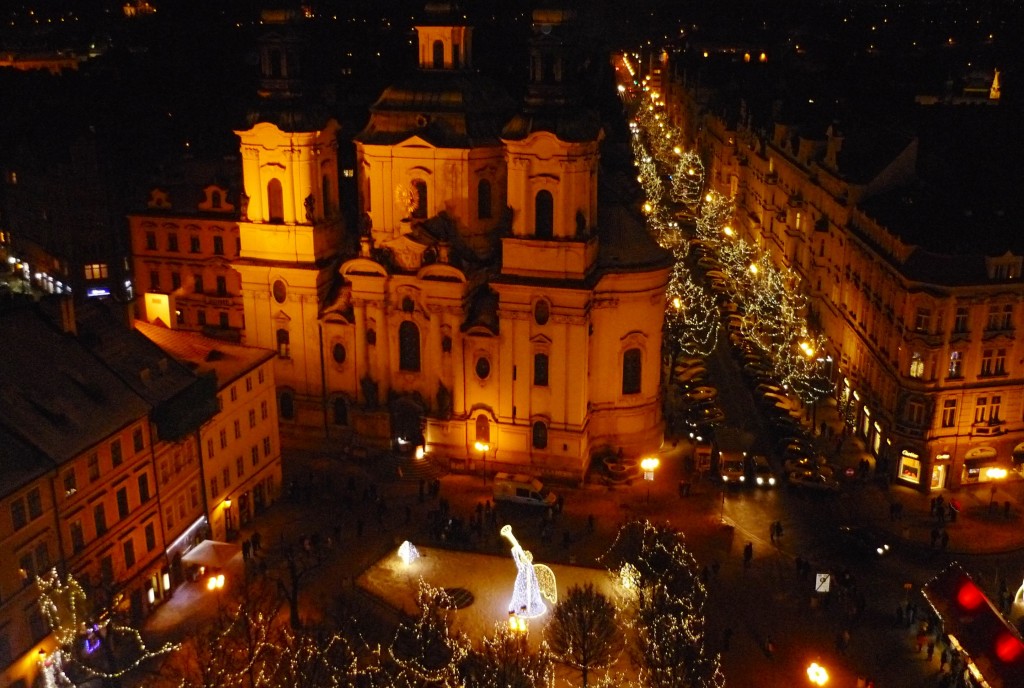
(978, 529)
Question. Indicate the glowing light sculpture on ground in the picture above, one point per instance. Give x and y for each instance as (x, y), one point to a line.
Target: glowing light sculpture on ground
(527, 597)
(408, 553)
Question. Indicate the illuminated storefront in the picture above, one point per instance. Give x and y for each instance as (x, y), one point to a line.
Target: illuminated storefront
(909, 469)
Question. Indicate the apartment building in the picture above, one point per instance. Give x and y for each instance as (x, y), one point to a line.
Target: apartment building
(182, 248)
(89, 410)
(240, 446)
(918, 297)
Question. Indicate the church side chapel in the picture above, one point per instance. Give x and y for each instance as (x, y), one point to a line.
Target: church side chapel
(496, 315)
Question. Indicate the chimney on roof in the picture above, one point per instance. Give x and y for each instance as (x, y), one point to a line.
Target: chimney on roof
(67, 315)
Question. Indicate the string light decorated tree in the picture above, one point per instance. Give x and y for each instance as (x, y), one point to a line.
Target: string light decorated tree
(665, 607)
(91, 643)
(688, 179)
(504, 660)
(425, 649)
(584, 631)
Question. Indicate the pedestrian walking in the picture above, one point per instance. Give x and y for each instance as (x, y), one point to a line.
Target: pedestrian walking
(256, 541)
(748, 554)
(245, 550)
(935, 536)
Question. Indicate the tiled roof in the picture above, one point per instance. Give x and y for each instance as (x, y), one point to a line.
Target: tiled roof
(55, 394)
(225, 360)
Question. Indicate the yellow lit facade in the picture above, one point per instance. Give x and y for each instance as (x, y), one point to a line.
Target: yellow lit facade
(424, 337)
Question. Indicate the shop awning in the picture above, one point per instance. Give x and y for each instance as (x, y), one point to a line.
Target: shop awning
(211, 553)
(977, 627)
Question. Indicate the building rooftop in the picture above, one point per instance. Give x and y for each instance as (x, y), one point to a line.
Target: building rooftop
(226, 361)
(54, 393)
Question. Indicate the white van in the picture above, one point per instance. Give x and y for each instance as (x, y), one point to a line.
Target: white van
(521, 488)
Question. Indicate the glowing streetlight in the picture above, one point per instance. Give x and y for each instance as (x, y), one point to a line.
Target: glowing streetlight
(677, 150)
(649, 465)
(676, 303)
(753, 268)
(817, 674)
(483, 447)
(518, 624)
(727, 230)
(807, 349)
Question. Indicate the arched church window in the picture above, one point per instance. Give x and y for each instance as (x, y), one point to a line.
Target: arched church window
(286, 405)
(438, 55)
(540, 435)
(409, 347)
(420, 188)
(631, 369)
(483, 199)
(340, 411)
(275, 201)
(544, 215)
(483, 429)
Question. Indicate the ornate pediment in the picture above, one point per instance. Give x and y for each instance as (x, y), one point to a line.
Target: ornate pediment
(407, 251)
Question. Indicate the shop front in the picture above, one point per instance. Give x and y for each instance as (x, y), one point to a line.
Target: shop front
(909, 468)
(977, 461)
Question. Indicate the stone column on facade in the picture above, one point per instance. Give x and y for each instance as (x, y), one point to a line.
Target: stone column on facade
(432, 347)
(361, 360)
(253, 183)
(458, 367)
(382, 366)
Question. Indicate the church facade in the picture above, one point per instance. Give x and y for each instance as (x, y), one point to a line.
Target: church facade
(495, 315)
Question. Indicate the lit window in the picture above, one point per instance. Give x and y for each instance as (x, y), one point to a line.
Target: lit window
(916, 366)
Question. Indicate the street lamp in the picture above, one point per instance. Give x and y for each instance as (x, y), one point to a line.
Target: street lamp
(817, 674)
(227, 518)
(482, 447)
(649, 465)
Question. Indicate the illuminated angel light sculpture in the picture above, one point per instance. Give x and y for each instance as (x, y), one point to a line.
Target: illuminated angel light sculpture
(408, 553)
(533, 581)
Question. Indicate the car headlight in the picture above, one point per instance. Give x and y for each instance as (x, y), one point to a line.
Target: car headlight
(760, 481)
(880, 550)
(771, 481)
(742, 478)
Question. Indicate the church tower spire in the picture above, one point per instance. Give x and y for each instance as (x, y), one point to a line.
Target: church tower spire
(552, 151)
(290, 227)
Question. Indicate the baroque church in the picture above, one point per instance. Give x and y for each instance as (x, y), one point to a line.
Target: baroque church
(491, 313)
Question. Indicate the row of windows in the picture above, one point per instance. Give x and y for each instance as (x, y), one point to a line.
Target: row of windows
(183, 504)
(987, 409)
(993, 363)
(225, 476)
(202, 319)
(1000, 318)
(194, 244)
(198, 285)
(28, 508)
(99, 514)
(236, 429)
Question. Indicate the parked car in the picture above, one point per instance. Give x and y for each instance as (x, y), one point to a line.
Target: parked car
(764, 476)
(703, 393)
(865, 540)
(523, 489)
(812, 480)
